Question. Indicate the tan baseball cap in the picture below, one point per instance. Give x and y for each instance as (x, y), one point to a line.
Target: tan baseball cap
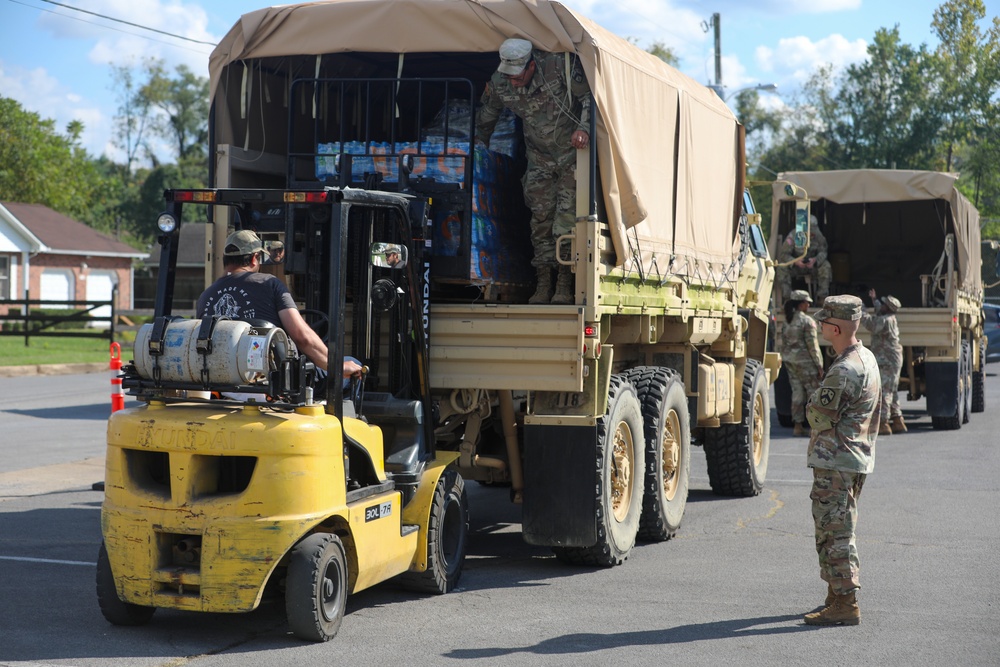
(243, 242)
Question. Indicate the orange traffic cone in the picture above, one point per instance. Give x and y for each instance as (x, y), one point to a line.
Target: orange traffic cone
(117, 395)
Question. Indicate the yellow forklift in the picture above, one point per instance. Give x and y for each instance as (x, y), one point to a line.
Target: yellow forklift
(236, 477)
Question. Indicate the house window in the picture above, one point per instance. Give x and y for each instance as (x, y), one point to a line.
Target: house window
(4, 276)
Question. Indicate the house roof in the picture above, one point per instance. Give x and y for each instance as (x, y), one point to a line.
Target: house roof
(191, 249)
(61, 234)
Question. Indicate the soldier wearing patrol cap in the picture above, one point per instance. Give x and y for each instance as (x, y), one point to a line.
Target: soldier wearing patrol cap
(844, 415)
(889, 355)
(550, 95)
(800, 355)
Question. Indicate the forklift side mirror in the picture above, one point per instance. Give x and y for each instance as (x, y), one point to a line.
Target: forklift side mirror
(388, 255)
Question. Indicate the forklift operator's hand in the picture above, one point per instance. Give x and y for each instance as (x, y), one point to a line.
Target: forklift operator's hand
(352, 369)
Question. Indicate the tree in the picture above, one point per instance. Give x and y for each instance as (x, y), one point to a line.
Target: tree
(887, 115)
(38, 165)
(664, 53)
(183, 106)
(133, 118)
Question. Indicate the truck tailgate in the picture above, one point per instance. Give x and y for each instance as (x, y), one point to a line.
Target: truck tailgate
(518, 347)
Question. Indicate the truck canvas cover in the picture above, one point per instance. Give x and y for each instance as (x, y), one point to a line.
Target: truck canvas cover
(670, 151)
(907, 213)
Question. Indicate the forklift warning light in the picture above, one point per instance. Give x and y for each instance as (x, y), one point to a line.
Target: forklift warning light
(195, 195)
(305, 197)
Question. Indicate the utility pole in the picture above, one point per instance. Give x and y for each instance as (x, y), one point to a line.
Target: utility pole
(718, 49)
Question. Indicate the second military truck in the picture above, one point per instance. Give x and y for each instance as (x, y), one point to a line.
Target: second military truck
(914, 236)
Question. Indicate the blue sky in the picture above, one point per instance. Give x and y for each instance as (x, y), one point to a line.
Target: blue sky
(54, 60)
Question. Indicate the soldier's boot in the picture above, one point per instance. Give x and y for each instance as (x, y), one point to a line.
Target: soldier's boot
(798, 430)
(842, 611)
(897, 425)
(543, 288)
(884, 428)
(564, 286)
(830, 597)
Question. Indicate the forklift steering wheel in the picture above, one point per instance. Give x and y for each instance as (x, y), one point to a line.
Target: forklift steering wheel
(318, 321)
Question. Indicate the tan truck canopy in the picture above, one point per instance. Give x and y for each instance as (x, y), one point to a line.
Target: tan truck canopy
(670, 151)
(912, 203)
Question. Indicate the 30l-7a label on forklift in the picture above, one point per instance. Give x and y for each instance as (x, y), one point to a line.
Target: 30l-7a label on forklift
(378, 511)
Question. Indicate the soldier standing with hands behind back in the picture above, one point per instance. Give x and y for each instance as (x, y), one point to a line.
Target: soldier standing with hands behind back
(889, 354)
(844, 415)
(550, 95)
(800, 355)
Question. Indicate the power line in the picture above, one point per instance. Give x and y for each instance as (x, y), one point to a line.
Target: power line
(134, 25)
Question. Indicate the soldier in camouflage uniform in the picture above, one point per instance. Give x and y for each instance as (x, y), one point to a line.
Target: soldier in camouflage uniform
(844, 417)
(555, 113)
(889, 354)
(814, 264)
(800, 355)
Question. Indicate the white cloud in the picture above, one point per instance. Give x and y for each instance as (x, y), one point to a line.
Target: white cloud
(796, 58)
(818, 6)
(120, 44)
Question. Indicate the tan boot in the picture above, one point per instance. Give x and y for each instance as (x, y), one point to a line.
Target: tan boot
(564, 286)
(884, 428)
(830, 597)
(897, 425)
(798, 430)
(843, 611)
(543, 289)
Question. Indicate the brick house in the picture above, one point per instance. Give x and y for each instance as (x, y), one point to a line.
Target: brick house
(47, 255)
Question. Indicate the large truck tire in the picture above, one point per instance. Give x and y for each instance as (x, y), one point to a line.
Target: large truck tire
(447, 538)
(620, 470)
(115, 610)
(668, 450)
(316, 587)
(966, 381)
(953, 392)
(737, 453)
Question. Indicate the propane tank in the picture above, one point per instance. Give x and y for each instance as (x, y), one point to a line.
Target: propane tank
(240, 353)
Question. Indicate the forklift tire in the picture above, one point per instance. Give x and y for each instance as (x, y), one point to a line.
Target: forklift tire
(620, 468)
(116, 611)
(447, 538)
(316, 587)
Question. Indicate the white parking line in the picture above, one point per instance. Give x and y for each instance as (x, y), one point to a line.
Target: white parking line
(47, 560)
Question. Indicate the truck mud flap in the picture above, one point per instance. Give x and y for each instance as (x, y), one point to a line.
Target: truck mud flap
(560, 499)
(942, 388)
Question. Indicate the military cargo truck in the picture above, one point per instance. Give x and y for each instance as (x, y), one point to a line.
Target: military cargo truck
(912, 235)
(343, 129)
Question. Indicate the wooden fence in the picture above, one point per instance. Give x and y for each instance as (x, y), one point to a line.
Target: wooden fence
(34, 324)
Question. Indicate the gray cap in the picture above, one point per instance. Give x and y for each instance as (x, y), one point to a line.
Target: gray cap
(840, 307)
(892, 302)
(514, 56)
(800, 295)
(243, 242)
(277, 245)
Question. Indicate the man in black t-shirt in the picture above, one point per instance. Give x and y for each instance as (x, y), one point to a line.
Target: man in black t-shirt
(245, 294)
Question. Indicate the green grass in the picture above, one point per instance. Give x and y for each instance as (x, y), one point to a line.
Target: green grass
(44, 350)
